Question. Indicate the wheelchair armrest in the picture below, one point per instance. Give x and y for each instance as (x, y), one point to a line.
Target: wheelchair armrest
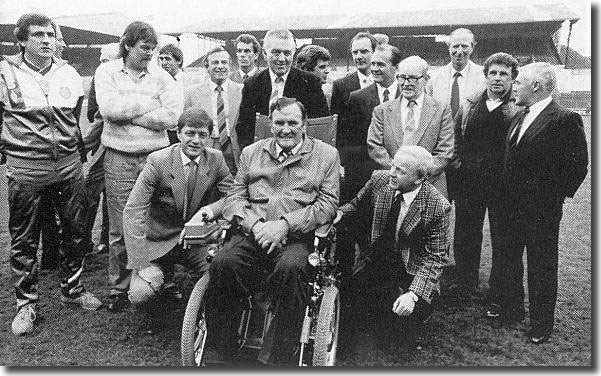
(324, 230)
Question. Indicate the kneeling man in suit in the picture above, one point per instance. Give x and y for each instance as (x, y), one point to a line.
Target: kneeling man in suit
(398, 277)
(182, 181)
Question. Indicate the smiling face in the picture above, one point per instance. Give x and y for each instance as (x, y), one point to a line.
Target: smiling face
(412, 80)
(461, 46)
(498, 79)
(382, 69)
(218, 66)
(287, 126)
(139, 55)
(362, 53)
(193, 140)
(279, 53)
(40, 45)
(403, 175)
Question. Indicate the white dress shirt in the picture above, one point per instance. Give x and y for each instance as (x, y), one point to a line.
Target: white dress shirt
(365, 80)
(408, 198)
(250, 73)
(280, 86)
(392, 89)
(226, 106)
(417, 114)
(535, 110)
(460, 81)
(492, 104)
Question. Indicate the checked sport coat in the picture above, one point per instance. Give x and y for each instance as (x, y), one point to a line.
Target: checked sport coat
(424, 239)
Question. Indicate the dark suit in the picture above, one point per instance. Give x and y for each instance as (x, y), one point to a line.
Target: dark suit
(547, 165)
(236, 77)
(154, 215)
(303, 86)
(341, 91)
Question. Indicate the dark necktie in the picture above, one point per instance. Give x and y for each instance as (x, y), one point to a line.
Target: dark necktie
(393, 217)
(244, 77)
(192, 168)
(221, 126)
(455, 94)
(518, 128)
(274, 90)
(385, 95)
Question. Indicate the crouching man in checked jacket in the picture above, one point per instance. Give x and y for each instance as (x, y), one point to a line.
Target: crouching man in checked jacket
(397, 279)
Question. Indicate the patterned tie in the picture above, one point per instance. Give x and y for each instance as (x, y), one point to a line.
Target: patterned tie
(393, 217)
(410, 120)
(284, 155)
(518, 128)
(385, 95)
(192, 169)
(455, 94)
(274, 90)
(244, 77)
(221, 125)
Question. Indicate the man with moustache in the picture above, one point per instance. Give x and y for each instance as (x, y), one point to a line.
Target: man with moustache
(247, 54)
(138, 102)
(40, 103)
(279, 80)
(456, 81)
(414, 119)
(286, 187)
(481, 127)
(220, 97)
(546, 161)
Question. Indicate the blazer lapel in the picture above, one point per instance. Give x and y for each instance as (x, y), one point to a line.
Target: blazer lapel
(178, 180)
(414, 213)
(383, 204)
(425, 118)
(202, 180)
(234, 97)
(538, 124)
(396, 122)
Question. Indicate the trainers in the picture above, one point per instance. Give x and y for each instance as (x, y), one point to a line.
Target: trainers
(117, 303)
(24, 319)
(171, 291)
(85, 300)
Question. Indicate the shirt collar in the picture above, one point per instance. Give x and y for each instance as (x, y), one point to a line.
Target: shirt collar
(141, 74)
(294, 151)
(250, 73)
(419, 101)
(273, 76)
(392, 89)
(540, 105)
(37, 69)
(410, 196)
(186, 160)
(463, 71)
(213, 85)
(363, 77)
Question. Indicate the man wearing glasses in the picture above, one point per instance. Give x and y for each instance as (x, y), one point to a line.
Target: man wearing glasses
(414, 119)
(279, 80)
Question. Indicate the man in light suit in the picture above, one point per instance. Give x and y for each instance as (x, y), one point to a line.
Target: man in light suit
(279, 80)
(546, 161)
(213, 92)
(247, 54)
(415, 119)
(456, 81)
(287, 187)
(182, 181)
(410, 239)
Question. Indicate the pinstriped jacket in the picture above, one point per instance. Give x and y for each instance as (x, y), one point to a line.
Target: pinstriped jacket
(424, 234)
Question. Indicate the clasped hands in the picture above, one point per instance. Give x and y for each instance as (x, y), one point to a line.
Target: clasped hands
(271, 235)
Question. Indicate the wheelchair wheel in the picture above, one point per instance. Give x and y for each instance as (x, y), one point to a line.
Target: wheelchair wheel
(194, 328)
(326, 333)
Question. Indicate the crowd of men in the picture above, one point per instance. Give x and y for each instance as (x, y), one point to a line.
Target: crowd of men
(166, 150)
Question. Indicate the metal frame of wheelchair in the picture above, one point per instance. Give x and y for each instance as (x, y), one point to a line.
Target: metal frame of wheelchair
(318, 340)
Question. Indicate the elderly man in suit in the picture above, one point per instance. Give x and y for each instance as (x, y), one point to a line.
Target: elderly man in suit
(279, 80)
(456, 81)
(220, 97)
(481, 127)
(287, 187)
(247, 54)
(414, 119)
(182, 181)
(546, 161)
(399, 275)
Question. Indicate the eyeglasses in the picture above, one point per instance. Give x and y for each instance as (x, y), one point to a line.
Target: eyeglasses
(412, 79)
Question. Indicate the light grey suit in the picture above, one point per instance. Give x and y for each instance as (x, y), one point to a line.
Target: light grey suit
(434, 133)
(200, 95)
(439, 85)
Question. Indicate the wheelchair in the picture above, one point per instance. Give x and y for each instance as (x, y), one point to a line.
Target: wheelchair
(318, 341)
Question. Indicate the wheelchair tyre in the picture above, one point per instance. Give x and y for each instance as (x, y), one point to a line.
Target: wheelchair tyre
(194, 327)
(326, 333)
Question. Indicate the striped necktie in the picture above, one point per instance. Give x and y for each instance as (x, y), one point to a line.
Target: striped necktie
(221, 125)
(385, 95)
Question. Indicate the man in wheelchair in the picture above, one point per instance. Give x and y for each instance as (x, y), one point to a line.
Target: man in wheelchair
(286, 187)
(178, 184)
(395, 282)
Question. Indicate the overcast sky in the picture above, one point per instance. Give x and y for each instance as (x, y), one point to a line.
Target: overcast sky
(168, 14)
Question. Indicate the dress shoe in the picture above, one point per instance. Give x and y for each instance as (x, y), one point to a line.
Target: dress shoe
(538, 336)
(496, 312)
(85, 300)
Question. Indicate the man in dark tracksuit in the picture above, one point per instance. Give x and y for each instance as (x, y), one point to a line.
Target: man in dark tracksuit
(40, 100)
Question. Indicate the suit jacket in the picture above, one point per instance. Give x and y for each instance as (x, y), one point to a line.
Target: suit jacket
(434, 133)
(153, 217)
(200, 95)
(547, 165)
(304, 189)
(303, 86)
(439, 85)
(424, 238)
(341, 91)
(236, 77)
